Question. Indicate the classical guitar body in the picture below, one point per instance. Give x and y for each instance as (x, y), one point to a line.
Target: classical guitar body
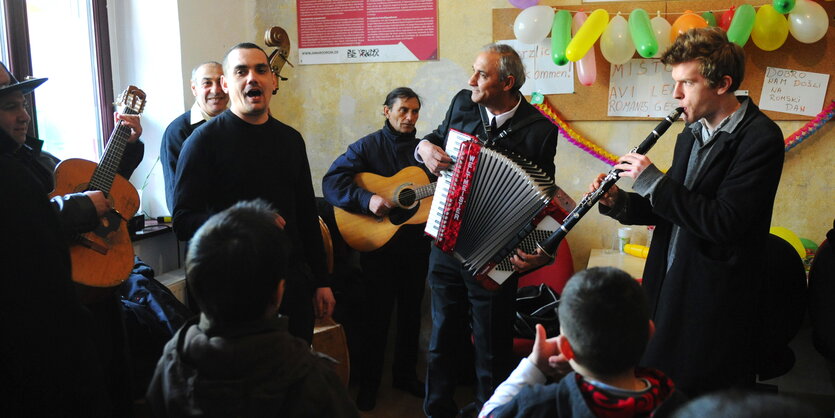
(104, 256)
(367, 233)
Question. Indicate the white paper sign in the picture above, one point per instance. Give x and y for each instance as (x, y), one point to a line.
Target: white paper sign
(641, 88)
(542, 74)
(793, 91)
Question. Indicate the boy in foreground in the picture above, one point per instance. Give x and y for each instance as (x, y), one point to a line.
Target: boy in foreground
(605, 326)
(239, 359)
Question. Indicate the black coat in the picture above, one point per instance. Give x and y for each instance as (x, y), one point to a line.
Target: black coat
(536, 142)
(703, 305)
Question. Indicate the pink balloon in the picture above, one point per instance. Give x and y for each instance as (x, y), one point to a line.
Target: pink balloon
(586, 67)
(524, 4)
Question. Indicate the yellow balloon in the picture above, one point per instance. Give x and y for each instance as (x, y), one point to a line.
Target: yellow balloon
(791, 238)
(585, 38)
(770, 28)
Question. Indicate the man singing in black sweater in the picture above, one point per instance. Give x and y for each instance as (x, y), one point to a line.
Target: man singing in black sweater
(243, 154)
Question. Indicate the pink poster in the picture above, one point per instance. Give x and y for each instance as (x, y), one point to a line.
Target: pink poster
(348, 31)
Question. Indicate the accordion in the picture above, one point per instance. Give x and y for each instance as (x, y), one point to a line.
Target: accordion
(489, 204)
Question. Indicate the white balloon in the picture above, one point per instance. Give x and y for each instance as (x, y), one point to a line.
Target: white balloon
(616, 42)
(808, 21)
(533, 24)
(661, 27)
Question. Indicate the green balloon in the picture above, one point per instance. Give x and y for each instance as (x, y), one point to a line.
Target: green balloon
(783, 6)
(560, 36)
(711, 18)
(742, 24)
(642, 34)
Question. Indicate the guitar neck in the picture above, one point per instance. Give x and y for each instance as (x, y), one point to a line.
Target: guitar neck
(108, 167)
(425, 191)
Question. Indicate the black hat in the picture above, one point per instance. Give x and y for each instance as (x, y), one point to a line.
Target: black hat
(26, 86)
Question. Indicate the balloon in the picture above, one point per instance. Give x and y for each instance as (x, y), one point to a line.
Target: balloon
(586, 66)
(587, 35)
(742, 24)
(808, 22)
(661, 27)
(727, 17)
(642, 35)
(616, 43)
(710, 18)
(560, 36)
(791, 238)
(685, 22)
(524, 4)
(783, 6)
(770, 28)
(533, 24)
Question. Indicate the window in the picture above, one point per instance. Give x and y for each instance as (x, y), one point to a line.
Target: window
(67, 43)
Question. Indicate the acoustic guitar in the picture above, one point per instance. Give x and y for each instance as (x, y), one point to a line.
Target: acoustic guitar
(104, 256)
(406, 189)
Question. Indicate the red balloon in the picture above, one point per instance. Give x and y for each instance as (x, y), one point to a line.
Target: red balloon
(727, 17)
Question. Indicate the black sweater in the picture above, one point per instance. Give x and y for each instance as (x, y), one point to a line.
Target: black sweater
(227, 160)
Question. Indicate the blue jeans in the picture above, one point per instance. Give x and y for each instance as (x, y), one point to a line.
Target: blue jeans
(456, 299)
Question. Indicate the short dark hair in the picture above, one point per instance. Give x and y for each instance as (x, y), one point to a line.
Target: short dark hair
(510, 64)
(242, 45)
(738, 403)
(603, 312)
(235, 262)
(400, 93)
(716, 55)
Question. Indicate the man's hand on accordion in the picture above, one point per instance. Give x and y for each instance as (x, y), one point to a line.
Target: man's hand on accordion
(379, 206)
(523, 261)
(434, 157)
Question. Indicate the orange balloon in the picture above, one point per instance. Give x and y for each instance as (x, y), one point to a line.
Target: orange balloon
(685, 22)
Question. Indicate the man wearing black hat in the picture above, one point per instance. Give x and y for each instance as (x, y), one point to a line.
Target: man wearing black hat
(76, 210)
(44, 305)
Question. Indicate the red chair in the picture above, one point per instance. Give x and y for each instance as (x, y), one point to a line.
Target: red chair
(555, 276)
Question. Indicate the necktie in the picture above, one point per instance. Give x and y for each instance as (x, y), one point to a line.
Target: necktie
(493, 129)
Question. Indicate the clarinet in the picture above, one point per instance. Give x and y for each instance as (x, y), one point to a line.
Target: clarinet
(549, 246)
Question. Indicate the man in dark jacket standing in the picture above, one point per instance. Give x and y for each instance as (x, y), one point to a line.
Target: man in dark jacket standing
(397, 271)
(494, 106)
(712, 211)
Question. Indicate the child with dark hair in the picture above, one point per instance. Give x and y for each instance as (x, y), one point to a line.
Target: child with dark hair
(604, 326)
(239, 359)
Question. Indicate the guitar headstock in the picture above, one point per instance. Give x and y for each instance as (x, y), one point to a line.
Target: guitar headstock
(133, 100)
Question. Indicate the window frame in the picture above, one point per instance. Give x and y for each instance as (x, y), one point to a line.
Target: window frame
(20, 60)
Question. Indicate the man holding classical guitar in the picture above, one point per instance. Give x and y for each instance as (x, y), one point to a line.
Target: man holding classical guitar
(397, 270)
(59, 348)
(76, 210)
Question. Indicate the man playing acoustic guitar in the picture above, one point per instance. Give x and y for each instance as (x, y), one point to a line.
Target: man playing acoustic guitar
(397, 270)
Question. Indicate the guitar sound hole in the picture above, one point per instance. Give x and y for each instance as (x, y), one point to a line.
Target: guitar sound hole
(399, 215)
(407, 197)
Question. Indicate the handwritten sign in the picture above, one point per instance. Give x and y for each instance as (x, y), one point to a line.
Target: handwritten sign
(641, 88)
(542, 74)
(792, 91)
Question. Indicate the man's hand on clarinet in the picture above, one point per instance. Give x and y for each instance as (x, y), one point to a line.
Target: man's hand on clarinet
(610, 197)
(632, 165)
(434, 157)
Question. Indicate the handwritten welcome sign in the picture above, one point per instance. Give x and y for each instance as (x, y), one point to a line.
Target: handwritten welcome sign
(792, 91)
(641, 88)
(542, 74)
